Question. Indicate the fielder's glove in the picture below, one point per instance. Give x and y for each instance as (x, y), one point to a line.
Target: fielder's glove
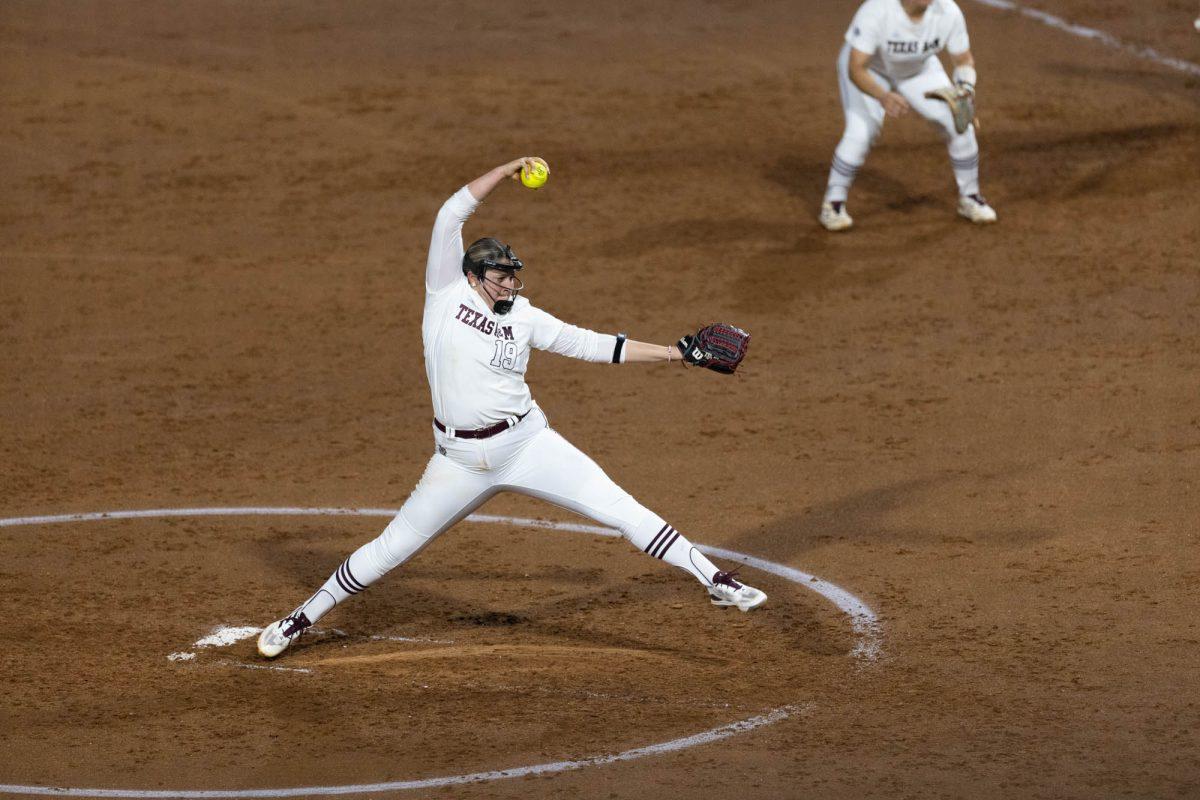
(961, 101)
(718, 347)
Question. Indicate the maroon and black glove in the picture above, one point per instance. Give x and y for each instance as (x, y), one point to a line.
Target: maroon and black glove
(718, 347)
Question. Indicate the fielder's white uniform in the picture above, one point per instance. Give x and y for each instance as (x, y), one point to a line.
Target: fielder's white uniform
(903, 60)
(476, 360)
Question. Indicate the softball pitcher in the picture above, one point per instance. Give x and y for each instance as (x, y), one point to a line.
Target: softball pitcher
(489, 434)
(888, 66)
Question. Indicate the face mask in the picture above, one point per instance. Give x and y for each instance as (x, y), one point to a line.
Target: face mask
(502, 306)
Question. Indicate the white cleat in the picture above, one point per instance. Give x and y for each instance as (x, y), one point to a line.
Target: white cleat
(835, 217)
(276, 637)
(976, 209)
(725, 591)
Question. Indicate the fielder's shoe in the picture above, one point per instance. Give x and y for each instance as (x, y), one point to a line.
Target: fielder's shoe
(725, 591)
(976, 209)
(276, 637)
(834, 216)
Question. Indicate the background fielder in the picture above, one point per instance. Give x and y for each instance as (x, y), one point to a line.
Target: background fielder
(885, 68)
(490, 435)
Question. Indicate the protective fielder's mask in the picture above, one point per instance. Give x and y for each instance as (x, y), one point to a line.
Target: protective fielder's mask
(509, 263)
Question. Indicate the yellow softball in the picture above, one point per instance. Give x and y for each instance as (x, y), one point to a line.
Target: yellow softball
(535, 176)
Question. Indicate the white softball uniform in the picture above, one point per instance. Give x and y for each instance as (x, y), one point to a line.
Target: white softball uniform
(900, 47)
(476, 360)
(904, 60)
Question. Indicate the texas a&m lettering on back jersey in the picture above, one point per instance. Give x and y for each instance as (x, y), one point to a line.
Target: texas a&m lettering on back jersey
(898, 45)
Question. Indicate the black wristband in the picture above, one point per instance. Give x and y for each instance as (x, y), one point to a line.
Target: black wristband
(619, 348)
(685, 350)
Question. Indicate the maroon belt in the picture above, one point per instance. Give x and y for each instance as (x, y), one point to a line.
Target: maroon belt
(482, 433)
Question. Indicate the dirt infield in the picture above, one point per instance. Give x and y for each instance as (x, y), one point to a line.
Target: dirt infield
(214, 223)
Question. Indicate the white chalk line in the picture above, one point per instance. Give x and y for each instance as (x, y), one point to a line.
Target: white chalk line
(271, 667)
(863, 620)
(421, 639)
(198, 512)
(1084, 32)
(707, 737)
(226, 635)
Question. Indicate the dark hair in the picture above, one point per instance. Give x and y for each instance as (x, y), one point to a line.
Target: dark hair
(482, 251)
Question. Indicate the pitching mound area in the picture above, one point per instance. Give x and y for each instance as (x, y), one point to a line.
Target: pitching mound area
(214, 221)
(466, 660)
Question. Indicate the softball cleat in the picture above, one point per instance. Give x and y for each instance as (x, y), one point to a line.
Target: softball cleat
(976, 209)
(835, 217)
(725, 591)
(277, 636)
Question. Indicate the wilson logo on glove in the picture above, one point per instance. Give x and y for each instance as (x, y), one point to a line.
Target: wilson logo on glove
(719, 347)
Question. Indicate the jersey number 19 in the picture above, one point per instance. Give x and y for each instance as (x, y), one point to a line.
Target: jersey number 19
(506, 354)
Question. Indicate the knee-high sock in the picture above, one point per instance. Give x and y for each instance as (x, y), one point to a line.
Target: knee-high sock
(655, 537)
(841, 178)
(399, 542)
(964, 159)
(850, 154)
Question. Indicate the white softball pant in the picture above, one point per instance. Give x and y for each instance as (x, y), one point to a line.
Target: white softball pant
(865, 117)
(529, 458)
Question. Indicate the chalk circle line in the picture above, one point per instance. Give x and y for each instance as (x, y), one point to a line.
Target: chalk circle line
(1095, 35)
(863, 620)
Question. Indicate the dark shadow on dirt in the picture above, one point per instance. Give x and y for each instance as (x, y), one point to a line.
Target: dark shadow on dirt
(1181, 86)
(1123, 161)
(863, 518)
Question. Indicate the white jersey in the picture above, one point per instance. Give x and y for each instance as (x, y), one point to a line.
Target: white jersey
(898, 46)
(476, 359)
